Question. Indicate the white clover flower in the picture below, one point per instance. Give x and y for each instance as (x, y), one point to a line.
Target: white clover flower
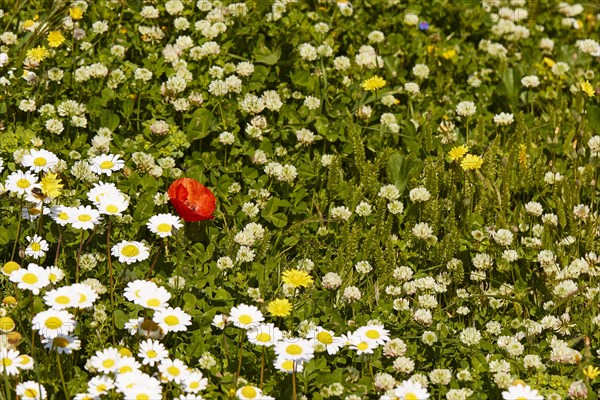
(466, 109)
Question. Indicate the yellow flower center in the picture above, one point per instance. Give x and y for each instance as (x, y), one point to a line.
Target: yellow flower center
(101, 388)
(60, 342)
(35, 246)
(372, 334)
(194, 385)
(130, 250)
(108, 363)
(107, 164)
(53, 323)
(164, 228)
(245, 319)
(7, 362)
(362, 346)
(151, 353)
(62, 300)
(325, 338)
(287, 365)
(125, 369)
(248, 391)
(23, 183)
(410, 396)
(112, 208)
(263, 337)
(294, 349)
(30, 278)
(40, 162)
(153, 303)
(142, 396)
(30, 392)
(173, 370)
(171, 320)
(63, 215)
(82, 298)
(84, 217)
(24, 359)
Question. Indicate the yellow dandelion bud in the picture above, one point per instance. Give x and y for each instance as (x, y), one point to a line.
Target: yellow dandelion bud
(471, 161)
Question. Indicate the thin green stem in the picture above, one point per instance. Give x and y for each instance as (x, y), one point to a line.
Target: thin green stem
(62, 376)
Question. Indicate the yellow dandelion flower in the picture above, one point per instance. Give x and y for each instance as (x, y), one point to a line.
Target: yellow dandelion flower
(38, 54)
(448, 54)
(279, 308)
(296, 278)
(591, 372)
(51, 185)
(374, 83)
(587, 88)
(458, 152)
(471, 161)
(75, 13)
(55, 38)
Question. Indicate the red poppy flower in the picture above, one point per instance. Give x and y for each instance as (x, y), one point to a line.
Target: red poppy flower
(192, 200)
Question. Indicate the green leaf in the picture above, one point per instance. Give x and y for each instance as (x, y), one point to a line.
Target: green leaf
(199, 126)
(120, 318)
(128, 105)
(279, 220)
(593, 113)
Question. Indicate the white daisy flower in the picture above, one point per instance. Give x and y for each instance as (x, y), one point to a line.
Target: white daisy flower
(172, 319)
(62, 214)
(101, 189)
(20, 182)
(8, 361)
(264, 335)
(152, 352)
(55, 274)
(154, 299)
(130, 252)
(194, 382)
(31, 390)
(519, 391)
(106, 164)
(63, 344)
(84, 217)
(61, 298)
(411, 390)
(249, 392)
(244, 316)
(127, 365)
(25, 362)
(31, 278)
(362, 345)
(163, 224)
(100, 385)
(39, 160)
(284, 364)
(173, 370)
(325, 339)
(112, 204)
(133, 291)
(376, 333)
(86, 296)
(37, 247)
(52, 323)
(295, 349)
(106, 360)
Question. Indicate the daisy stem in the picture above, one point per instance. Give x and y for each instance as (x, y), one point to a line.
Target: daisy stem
(153, 262)
(12, 257)
(241, 357)
(58, 246)
(79, 257)
(62, 376)
(32, 315)
(112, 284)
(262, 367)
(294, 395)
